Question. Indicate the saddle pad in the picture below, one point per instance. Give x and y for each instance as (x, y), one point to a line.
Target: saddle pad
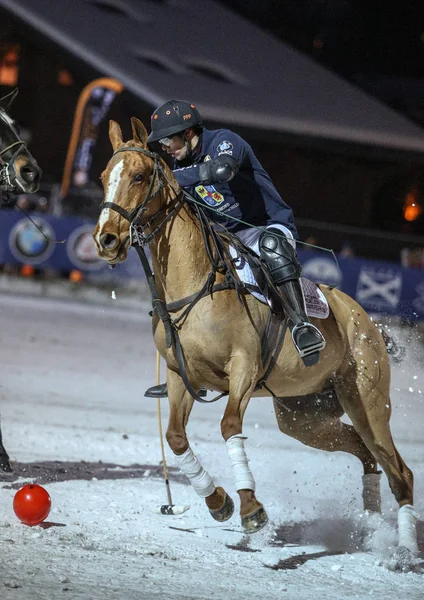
(315, 301)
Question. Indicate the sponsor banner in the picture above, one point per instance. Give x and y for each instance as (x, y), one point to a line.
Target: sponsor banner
(322, 268)
(30, 245)
(63, 244)
(66, 243)
(92, 108)
(81, 249)
(378, 286)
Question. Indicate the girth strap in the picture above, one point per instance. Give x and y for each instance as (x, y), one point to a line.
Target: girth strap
(177, 304)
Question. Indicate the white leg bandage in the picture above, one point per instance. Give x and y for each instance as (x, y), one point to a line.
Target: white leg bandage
(243, 477)
(407, 527)
(199, 478)
(371, 492)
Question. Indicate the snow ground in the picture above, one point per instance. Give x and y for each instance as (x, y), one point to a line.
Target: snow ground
(72, 390)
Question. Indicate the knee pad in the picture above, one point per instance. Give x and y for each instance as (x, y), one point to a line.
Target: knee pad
(280, 256)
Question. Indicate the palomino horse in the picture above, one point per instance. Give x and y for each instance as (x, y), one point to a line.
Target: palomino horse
(221, 341)
(20, 173)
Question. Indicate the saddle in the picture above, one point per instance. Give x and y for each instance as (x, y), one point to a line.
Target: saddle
(253, 273)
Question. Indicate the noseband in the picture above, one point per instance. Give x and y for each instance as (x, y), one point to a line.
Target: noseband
(136, 232)
(8, 175)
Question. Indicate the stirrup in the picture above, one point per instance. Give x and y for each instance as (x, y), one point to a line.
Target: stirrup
(317, 347)
(157, 391)
(161, 391)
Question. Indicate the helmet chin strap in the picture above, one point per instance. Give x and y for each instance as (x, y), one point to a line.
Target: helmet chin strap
(188, 148)
(188, 145)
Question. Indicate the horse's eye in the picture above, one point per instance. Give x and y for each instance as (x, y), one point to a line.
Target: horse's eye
(138, 177)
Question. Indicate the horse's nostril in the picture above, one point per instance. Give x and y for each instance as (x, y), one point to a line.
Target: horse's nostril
(108, 240)
(29, 174)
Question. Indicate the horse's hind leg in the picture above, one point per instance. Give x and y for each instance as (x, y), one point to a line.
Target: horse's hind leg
(219, 503)
(315, 421)
(365, 398)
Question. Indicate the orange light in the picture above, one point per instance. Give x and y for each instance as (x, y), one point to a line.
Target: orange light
(75, 276)
(27, 271)
(64, 77)
(411, 208)
(9, 65)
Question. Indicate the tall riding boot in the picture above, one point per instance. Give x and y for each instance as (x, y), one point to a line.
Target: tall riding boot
(307, 338)
(285, 269)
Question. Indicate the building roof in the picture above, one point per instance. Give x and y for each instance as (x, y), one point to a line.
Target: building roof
(237, 74)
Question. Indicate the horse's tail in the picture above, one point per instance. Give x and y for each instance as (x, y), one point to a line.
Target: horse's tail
(394, 349)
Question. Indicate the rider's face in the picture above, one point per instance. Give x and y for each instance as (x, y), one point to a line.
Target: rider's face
(176, 146)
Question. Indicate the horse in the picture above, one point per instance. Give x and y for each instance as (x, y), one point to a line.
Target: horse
(19, 172)
(218, 346)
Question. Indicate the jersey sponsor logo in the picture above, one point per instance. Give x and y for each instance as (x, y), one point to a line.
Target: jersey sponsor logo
(225, 148)
(209, 195)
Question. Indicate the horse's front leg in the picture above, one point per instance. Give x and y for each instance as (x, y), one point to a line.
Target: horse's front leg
(219, 503)
(242, 384)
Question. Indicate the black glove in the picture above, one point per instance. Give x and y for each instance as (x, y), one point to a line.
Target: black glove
(219, 170)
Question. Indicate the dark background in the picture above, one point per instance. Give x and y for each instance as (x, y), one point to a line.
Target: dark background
(335, 194)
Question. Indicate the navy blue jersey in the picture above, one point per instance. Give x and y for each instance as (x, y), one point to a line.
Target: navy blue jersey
(250, 195)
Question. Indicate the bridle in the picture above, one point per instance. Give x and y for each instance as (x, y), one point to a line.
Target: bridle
(136, 232)
(8, 175)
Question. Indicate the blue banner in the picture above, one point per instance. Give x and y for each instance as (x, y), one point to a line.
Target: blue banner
(380, 287)
(67, 244)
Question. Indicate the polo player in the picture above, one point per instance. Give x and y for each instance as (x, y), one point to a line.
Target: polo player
(220, 169)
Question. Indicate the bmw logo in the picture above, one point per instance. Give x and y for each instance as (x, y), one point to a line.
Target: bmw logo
(29, 244)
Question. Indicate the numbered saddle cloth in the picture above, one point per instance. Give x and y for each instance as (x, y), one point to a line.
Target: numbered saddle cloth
(315, 301)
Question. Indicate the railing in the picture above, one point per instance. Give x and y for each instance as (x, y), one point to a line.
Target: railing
(366, 243)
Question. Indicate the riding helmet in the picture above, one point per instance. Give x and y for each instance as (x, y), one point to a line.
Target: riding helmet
(172, 117)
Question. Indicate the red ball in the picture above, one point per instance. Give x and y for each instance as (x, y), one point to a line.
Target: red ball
(32, 504)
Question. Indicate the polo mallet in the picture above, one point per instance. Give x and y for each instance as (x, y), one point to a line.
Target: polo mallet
(165, 509)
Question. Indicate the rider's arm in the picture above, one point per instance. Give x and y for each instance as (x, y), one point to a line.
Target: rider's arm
(226, 154)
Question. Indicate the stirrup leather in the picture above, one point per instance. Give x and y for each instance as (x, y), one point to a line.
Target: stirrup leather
(318, 346)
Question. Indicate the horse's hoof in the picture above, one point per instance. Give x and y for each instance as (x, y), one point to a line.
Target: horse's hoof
(403, 560)
(225, 512)
(255, 521)
(5, 465)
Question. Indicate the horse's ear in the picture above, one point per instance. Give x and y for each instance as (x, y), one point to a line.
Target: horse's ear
(6, 102)
(139, 131)
(115, 134)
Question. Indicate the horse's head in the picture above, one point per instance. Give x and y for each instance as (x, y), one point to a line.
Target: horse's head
(132, 181)
(18, 168)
